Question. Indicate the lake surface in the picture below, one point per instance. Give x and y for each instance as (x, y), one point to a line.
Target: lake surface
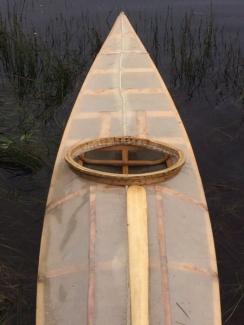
(40, 76)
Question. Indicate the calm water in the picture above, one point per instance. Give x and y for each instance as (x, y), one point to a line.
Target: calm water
(211, 109)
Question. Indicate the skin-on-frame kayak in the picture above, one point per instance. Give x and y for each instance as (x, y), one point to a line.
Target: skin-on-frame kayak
(120, 255)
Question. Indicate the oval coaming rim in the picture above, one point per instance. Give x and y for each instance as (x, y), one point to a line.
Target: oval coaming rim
(124, 179)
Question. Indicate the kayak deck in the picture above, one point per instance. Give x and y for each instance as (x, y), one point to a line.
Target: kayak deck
(83, 270)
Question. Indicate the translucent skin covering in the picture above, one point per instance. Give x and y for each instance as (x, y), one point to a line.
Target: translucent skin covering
(83, 270)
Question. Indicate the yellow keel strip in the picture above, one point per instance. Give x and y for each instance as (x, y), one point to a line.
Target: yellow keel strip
(138, 254)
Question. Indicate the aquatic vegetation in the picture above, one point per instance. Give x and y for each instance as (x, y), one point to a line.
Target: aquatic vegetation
(19, 154)
(41, 70)
(32, 68)
(196, 54)
(18, 56)
(12, 294)
(237, 291)
(190, 53)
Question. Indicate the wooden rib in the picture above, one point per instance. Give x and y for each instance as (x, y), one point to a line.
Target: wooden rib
(138, 254)
(169, 162)
(63, 271)
(160, 113)
(151, 113)
(107, 266)
(92, 280)
(124, 161)
(182, 196)
(187, 267)
(119, 148)
(123, 70)
(122, 52)
(143, 91)
(55, 204)
(101, 91)
(125, 168)
(166, 304)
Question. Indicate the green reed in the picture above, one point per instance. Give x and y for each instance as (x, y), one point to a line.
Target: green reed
(45, 64)
(201, 55)
(19, 154)
(41, 69)
(34, 69)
